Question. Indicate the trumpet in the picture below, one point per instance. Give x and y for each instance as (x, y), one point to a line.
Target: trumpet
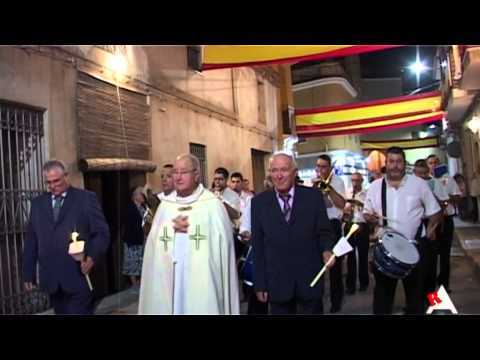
(323, 185)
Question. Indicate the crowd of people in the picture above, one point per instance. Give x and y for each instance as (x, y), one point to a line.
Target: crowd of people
(193, 250)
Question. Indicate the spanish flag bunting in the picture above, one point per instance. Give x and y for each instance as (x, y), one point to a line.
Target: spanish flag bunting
(228, 56)
(431, 141)
(370, 116)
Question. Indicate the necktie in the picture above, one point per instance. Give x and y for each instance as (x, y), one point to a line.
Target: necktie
(286, 205)
(57, 204)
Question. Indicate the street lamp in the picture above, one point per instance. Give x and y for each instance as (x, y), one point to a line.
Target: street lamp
(418, 67)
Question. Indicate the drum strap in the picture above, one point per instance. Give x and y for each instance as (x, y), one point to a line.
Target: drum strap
(384, 201)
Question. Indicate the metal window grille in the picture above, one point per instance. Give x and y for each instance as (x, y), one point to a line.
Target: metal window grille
(200, 152)
(21, 157)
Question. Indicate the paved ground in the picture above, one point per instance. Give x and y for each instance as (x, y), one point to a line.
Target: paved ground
(465, 283)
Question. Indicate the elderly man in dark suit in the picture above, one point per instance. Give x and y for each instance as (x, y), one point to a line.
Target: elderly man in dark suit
(292, 239)
(53, 218)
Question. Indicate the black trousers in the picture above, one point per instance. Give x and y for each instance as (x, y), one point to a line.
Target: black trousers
(384, 293)
(296, 306)
(444, 249)
(360, 241)
(336, 281)
(65, 303)
(255, 307)
(240, 247)
(428, 263)
(428, 267)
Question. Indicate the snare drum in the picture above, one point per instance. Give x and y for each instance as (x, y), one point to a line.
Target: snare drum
(394, 255)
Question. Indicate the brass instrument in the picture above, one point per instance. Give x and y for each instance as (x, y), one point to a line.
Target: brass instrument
(323, 185)
(355, 203)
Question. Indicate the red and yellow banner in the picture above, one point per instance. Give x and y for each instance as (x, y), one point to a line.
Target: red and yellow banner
(402, 143)
(227, 56)
(370, 116)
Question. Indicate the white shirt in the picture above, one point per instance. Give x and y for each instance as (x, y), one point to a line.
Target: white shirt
(451, 188)
(406, 206)
(162, 195)
(439, 192)
(357, 214)
(246, 219)
(438, 189)
(63, 195)
(332, 211)
(244, 198)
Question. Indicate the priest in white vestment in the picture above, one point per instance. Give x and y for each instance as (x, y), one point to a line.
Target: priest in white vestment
(189, 260)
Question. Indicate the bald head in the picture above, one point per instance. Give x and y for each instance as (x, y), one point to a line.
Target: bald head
(186, 174)
(192, 160)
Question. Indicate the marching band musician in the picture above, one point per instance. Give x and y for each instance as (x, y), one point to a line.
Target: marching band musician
(231, 201)
(445, 240)
(333, 190)
(407, 199)
(430, 248)
(360, 239)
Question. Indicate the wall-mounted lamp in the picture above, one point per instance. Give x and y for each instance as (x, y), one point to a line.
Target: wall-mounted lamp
(118, 64)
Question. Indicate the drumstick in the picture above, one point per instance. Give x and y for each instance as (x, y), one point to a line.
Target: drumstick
(312, 284)
(89, 282)
(353, 228)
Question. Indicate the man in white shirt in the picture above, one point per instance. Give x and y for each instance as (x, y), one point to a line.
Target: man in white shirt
(236, 181)
(429, 248)
(408, 199)
(445, 241)
(166, 176)
(246, 187)
(360, 240)
(230, 200)
(333, 190)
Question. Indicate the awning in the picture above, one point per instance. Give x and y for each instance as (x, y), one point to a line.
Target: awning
(370, 116)
(227, 56)
(116, 164)
(404, 144)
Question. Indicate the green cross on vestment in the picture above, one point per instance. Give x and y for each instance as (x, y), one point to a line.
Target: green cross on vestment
(165, 238)
(197, 237)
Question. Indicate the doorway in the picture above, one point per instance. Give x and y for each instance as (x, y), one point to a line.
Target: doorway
(258, 166)
(113, 191)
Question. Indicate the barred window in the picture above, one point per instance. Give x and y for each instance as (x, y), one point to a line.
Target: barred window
(200, 151)
(22, 148)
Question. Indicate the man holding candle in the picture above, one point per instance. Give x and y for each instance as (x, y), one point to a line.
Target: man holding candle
(292, 239)
(54, 217)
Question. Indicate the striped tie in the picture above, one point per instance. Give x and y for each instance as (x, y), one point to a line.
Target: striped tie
(57, 205)
(286, 205)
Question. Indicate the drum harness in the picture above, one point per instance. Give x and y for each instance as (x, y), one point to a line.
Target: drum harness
(384, 210)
